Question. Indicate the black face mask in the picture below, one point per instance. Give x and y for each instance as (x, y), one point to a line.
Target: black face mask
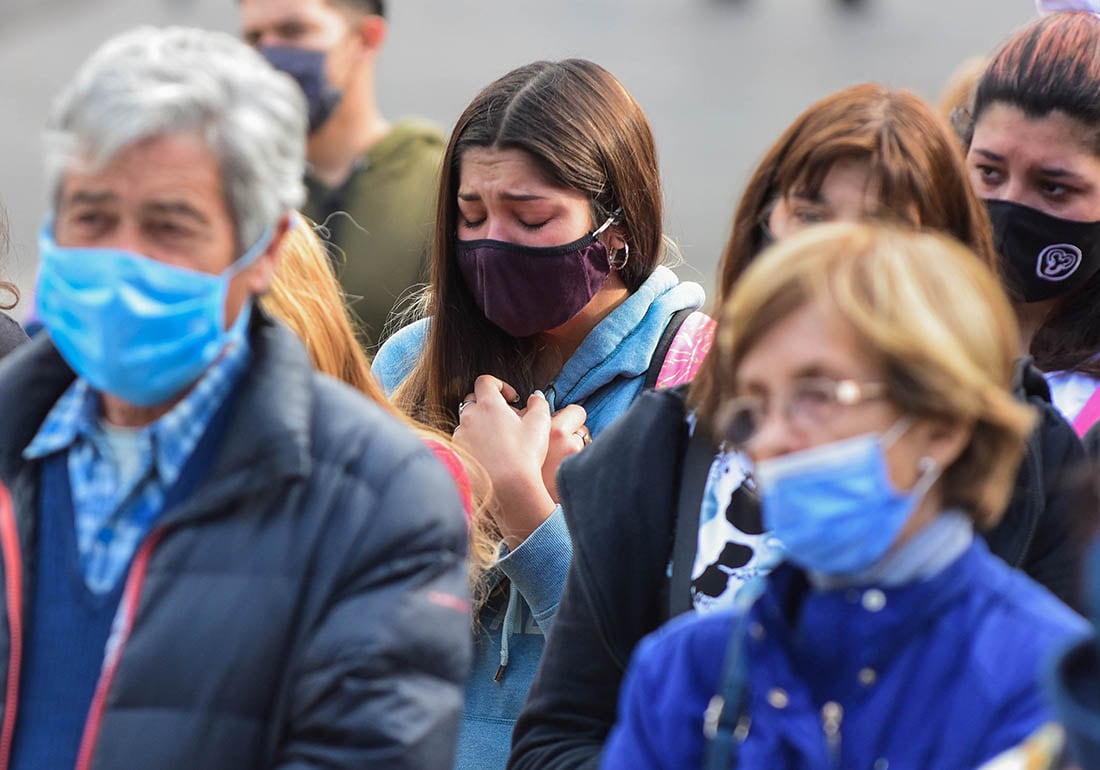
(1044, 256)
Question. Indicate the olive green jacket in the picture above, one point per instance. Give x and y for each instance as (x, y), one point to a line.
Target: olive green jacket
(384, 237)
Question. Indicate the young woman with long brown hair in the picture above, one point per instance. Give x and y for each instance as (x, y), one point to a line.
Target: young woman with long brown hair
(546, 312)
(687, 533)
(11, 333)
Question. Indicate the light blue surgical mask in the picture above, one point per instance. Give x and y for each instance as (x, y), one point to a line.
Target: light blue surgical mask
(834, 507)
(135, 328)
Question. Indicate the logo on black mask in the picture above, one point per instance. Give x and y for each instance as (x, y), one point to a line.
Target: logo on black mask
(1058, 262)
(1044, 256)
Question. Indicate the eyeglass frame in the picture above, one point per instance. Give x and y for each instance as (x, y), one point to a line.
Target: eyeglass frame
(845, 392)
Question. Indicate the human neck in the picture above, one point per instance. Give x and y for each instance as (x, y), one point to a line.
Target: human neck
(558, 345)
(126, 415)
(351, 131)
(1031, 317)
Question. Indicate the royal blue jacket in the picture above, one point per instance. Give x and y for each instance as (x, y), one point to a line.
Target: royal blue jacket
(941, 673)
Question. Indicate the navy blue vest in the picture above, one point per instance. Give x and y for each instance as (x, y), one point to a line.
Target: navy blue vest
(68, 624)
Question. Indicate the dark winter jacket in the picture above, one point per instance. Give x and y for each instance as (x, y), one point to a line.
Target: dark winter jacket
(618, 588)
(303, 609)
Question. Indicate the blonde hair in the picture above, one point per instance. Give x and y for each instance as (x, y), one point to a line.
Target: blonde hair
(306, 296)
(959, 91)
(933, 317)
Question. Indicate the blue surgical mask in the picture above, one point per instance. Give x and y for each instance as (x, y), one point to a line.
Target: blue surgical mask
(135, 328)
(307, 67)
(834, 507)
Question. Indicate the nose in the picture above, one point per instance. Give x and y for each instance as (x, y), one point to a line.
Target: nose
(774, 438)
(496, 230)
(127, 236)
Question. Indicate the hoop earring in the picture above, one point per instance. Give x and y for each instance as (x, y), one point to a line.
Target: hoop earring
(626, 257)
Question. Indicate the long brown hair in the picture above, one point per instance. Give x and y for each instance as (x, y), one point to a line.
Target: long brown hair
(584, 130)
(1054, 64)
(306, 296)
(917, 170)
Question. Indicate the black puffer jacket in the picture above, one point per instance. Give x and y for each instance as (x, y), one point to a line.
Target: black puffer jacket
(303, 609)
(624, 533)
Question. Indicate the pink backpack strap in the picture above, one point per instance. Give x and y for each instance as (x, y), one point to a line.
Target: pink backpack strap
(1089, 414)
(688, 349)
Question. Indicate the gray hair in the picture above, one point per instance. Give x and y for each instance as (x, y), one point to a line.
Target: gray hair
(152, 82)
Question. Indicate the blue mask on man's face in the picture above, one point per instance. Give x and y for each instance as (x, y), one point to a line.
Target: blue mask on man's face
(135, 328)
(307, 67)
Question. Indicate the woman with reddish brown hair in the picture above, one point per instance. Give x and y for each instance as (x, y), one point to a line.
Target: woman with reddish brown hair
(686, 534)
(889, 157)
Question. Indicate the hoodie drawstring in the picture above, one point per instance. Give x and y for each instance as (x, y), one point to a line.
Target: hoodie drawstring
(506, 631)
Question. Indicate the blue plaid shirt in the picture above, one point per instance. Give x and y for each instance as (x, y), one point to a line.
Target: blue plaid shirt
(114, 514)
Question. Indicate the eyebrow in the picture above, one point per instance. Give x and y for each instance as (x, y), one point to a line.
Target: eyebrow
(816, 198)
(1051, 171)
(508, 196)
(89, 198)
(989, 155)
(176, 208)
(1060, 173)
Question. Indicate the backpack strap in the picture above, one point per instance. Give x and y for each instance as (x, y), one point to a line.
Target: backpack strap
(693, 481)
(657, 362)
(688, 350)
(1089, 414)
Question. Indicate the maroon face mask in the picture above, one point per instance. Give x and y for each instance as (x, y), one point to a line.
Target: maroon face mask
(526, 290)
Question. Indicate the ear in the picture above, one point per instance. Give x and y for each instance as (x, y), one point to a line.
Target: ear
(260, 275)
(946, 440)
(614, 237)
(371, 31)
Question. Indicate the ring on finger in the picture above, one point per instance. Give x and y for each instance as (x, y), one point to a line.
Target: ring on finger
(584, 435)
(463, 404)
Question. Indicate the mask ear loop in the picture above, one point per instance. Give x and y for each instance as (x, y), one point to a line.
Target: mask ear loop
(613, 252)
(930, 473)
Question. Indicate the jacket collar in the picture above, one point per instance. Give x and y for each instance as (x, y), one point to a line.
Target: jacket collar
(268, 436)
(856, 627)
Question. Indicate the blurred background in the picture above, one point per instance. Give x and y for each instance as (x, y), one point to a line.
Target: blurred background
(719, 79)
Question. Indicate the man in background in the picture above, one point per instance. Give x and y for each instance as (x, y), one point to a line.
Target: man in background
(371, 183)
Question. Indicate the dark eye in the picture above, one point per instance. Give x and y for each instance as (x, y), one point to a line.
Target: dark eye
(1054, 189)
(739, 420)
(470, 223)
(167, 229)
(810, 216)
(534, 226)
(989, 174)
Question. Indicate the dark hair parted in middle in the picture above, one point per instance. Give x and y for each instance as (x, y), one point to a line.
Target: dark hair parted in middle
(585, 132)
(918, 171)
(1053, 65)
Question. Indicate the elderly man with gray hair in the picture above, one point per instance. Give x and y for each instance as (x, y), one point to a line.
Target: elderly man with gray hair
(217, 558)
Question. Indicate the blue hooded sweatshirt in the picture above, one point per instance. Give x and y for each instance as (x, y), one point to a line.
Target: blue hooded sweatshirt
(604, 375)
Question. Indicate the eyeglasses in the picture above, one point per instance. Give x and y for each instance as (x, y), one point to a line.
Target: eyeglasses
(811, 403)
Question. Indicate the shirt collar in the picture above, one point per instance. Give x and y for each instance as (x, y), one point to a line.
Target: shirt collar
(75, 416)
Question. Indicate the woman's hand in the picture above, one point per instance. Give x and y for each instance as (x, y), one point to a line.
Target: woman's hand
(568, 435)
(511, 444)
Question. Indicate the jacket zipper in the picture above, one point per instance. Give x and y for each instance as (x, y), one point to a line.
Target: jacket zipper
(832, 714)
(13, 583)
(131, 595)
